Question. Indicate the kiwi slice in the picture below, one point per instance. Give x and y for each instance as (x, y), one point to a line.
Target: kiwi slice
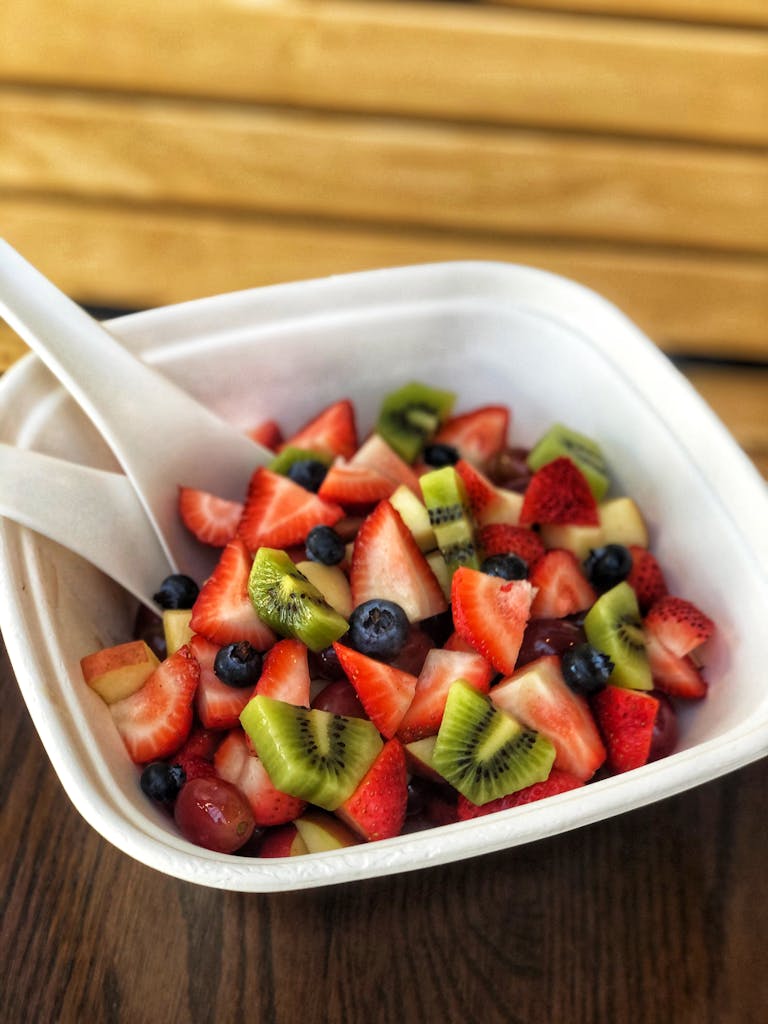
(286, 600)
(311, 754)
(445, 497)
(484, 752)
(410, 416)
(283, 461)
(560, 440)
(613, 625)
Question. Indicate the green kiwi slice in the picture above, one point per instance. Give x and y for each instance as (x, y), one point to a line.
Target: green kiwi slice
(283, 461)
(311, 754)
(285, 599)
(410, 416)
(484, 752)
(445, 497)
(613, 625)
(560, 440)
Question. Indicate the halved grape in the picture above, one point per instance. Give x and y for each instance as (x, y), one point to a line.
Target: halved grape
(340, 698)
(214, 814)
(549, 636)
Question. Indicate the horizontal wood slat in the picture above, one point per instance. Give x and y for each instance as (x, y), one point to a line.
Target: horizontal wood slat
(105, 254)
(722, 12)
(388, 171)
(444, 60)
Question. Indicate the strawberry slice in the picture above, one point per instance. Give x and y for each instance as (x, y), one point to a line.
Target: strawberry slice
(502, 539)
(559, 493)
(218, 706)
(563, 589)
(377, 808)
(488, 504)
(387, 564)
(384, 691)
(266, 432)
(333, 430)
(626, 720)
(538, 696)
(285, 673)
(376, 454)
(556, 782)
(678, 624)
(477, 435)
(156, 720)
(677, 676)
(441, 668)
(223, 612)
(354, 486)
(235, 762)
(491, 614)
(279, 513)
(211, 519)
(646, 577)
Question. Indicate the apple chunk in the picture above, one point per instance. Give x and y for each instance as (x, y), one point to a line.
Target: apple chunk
(117, 672)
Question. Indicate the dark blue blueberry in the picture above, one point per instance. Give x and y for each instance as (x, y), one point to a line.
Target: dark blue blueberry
(161, 781)
(585, 669)
(308, 473)
(438, 455)
(508, 566)
(378, 628)
(177, 591)
(238, 665)
(325, 545)
(607, 566)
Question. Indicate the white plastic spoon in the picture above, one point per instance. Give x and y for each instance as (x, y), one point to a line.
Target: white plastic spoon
(161, 436)
(94, 513)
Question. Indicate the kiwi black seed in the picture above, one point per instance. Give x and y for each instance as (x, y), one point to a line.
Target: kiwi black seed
(484, 752)
(286, 600)
(613, 625)
(311, 754)
(410, 417)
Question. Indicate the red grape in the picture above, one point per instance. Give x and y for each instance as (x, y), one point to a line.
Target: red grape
(214, 814)
(548, 636)
(339, 698)
(664, 738)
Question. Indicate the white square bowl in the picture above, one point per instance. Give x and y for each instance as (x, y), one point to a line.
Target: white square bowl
(548, 348)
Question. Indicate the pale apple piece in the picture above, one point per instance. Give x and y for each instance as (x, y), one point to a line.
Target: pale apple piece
(503, 509)
(332, 583)
(621, 522)
(322, 832)
(419, 756)
(117, 672)
(176, 628)
(284, 841)
(439, 567)
(414, 514)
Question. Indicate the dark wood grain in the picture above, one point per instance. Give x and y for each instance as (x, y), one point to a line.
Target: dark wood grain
(657, 916)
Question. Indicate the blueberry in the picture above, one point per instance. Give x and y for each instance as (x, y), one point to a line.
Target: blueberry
(161, 781)
(378, 628)
(177, 591)
(439, 455)
(508, 566)
(585, 669)
(325, 545)
(308, 473)
(607, 566)
(238, 664)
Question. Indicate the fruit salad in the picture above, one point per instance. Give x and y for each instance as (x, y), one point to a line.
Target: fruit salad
(402, 630)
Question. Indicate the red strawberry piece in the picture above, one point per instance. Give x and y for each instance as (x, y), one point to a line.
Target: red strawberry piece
(563, 589)
(201, 743)
(678, 624)
(195, 767)
(491, 614)
(559, 493)
(502, 539)
(387, 564)
(211, 519)
(458, 643)
(223, 612)
(626, 720)
(478, 435)
(333, 430)
(235, 762)
(285, 673)
(376, 454)
(268, 433)
(556, 782)
(538, 696)
(376, 809)
(279, 512)
(355, 486)
(677, 676)
(155, 720)
(385, 692)
(488, 503)
(441, 668)
(646, 577)
(218, 706)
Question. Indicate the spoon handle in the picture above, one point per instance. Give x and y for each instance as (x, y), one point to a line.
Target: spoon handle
(91, 512)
